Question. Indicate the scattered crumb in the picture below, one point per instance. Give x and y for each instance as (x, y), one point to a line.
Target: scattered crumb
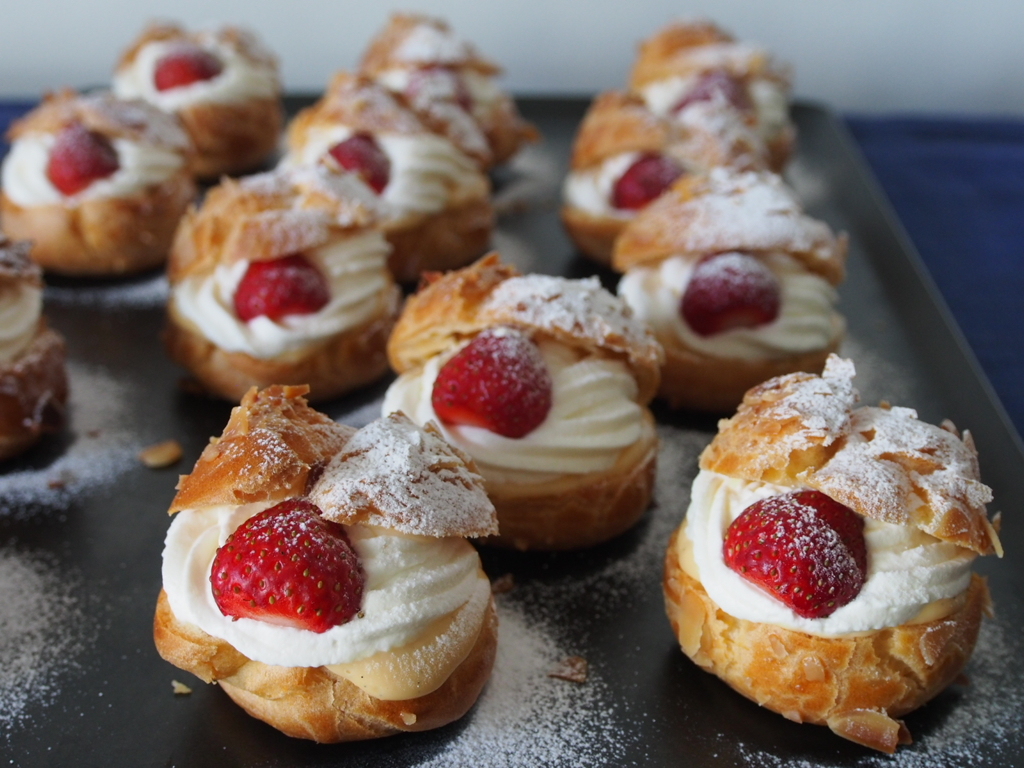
(94, 433)
(180, 689)
(572, 668)
(503, 584)
(161, 455)
(409, 718)
(56, 484)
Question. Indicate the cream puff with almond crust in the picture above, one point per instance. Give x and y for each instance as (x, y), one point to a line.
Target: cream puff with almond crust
(736, 281)
(435, 201)
(223, 84)
(388, 626)
(544, 382)
(282, 278)
(824, 566)
(97, 183)
(33, 374)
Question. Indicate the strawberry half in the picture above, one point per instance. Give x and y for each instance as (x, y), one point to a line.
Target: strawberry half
(289, 566)
(713, 82)
(804, 548)
(498, 381)
(649, 176)
(362, 155)
(184, 65)
(730, 290)
(281, 287)
(78, 158)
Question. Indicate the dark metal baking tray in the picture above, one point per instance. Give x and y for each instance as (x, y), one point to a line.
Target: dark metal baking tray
(82, 524)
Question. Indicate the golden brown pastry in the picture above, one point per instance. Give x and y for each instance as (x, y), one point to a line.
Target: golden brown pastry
(687, 65)
(282, 278)
(223, 85)
(406, 637)
(437, 212)
(449, 85)
(545, 382)
(97, 183)
(624, 156)
(33, 377)
(737, 283)
(824, 566)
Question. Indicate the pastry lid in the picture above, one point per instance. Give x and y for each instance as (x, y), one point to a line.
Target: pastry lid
(396, 475)
(618, 122)
(416, 41)
(272, 444)
(103, 112)
(269, 215)
(242, 41)
(687, 48)
(730, 210)
(449, 309)
(803, 431)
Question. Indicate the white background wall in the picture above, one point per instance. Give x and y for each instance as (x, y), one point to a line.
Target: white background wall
(937, 56)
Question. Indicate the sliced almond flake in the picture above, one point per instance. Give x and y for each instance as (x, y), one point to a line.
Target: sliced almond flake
(396, 475)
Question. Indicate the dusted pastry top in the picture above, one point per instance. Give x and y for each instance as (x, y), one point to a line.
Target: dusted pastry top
(911, 575)
(150, 146)
(21, 299)
(594, 416)
(249, 70)
(807, 319)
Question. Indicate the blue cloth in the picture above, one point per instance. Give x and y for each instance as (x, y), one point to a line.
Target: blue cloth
(958, 187)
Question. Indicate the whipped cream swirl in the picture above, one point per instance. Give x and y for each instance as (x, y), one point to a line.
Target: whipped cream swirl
(807, 318)
(21, 305)
(593, 418)
(141, 166)
(907, 568)
(356, 271)
(590, 189)
(411, 582)
(240, 79)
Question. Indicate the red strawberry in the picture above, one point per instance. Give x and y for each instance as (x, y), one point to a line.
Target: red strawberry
(79, 157)
(281, 287)
(803, 548)
(498, 381)
(716, 81)
(288, 566)
(645, 180)
(438, 83)
(184, 65)
(730, 290)
(362, 155)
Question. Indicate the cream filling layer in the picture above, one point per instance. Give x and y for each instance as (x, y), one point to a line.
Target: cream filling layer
(20, 308)
(590, 189)
(356, 271)
(241, 79)
(909, 571)
(427, 170)
(807, 317)
(594, 417)
(140, 166)
(421, 595)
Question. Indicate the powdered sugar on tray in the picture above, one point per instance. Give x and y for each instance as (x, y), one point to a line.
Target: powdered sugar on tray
(151, 291)
(42, 631)
(101, 448)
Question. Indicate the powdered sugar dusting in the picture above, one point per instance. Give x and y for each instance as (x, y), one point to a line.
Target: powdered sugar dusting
(396, 475)
(433, 43)
(100, 449)
(42, 630)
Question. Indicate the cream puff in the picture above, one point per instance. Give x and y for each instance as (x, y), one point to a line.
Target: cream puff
(687, 65)
(33, 375)
(624, 157)
(282, 278)
(97, 183)
(544, 382)
(368, 613)
(737, 282)
(436, 206)
(223, 84)
(824, 566)
(452, 87)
